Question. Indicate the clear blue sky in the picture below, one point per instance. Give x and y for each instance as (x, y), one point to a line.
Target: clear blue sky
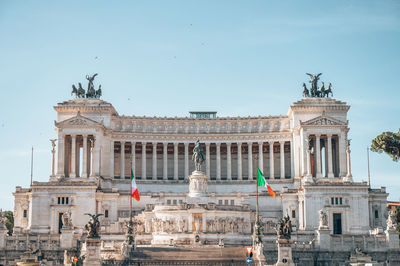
(166, 58)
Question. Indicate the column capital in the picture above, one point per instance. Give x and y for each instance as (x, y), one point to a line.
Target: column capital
(154, 143)
(228, 144)
(260, 142)
(84, 135)
(73, 136)
(249, 143)
(207, 144)
(144, 144)
(122, 142)
(239, 143)
(282, 142)
(329, 135)
(176, 144)
(218, 144)
(317, 135)
(165, 144)
(271, 143)
(186, 144)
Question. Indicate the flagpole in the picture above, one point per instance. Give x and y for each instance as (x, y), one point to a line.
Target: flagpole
(369, 176)
(32, 167)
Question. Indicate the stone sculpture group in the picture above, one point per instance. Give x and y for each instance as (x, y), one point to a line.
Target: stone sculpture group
(314, 90)
(90, 93)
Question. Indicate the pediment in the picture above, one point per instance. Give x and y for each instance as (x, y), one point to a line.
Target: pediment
(78, 121)
(323, 120)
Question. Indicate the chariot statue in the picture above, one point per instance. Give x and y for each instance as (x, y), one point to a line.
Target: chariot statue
(314, 90)
(198, 156)
(93, 226)
(91, 91)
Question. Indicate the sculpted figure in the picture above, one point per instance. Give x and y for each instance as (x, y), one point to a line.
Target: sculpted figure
(391, 220)
(285, 228)
(321, 91)
(323, 218)
(198, 156)
(314, 83)
(93, 226)
(66, 219)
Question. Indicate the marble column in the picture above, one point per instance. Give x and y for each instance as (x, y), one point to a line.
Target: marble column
(186, 160)
(282, 159)
(154, 161)
(342, 154)
(318, 154)
(144, 174)
(271, 161)
(122, 161)
(165, 160)
(92, 158)
(176, 161)
(239, 158)
(112, 159)
(250, 160)
(228, 161)
(60, 155)
(330, 161)
(260, 157)
(218, 161)
(349, 176)
(85, 155)
(73, 156)
(291, 159)
(133, 152)
(208, 159)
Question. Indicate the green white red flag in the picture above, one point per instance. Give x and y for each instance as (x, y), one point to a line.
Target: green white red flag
(262, 182)
(134, 189)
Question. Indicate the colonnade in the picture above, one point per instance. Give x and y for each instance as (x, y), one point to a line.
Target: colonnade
(224, 160)
(70, 162)
(332, 161)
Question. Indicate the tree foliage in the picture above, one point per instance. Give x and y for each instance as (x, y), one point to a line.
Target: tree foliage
(388, 142)
(397, 212)
(10, 221)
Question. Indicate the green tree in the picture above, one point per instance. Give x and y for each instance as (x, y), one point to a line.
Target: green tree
(10, 221)
(397, 211)
(388, 142)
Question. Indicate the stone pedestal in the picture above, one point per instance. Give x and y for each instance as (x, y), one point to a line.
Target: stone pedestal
(285, 252)
(67, 238)
(198, 190)
(92, 257)
(392, 238)
(3, 237)
(324, 238)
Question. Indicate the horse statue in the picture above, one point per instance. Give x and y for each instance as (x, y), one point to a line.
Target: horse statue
(198, 156)
(90, 91)
(79, 92)
(306, 92)
(97, 94)
(321, 91)
(93, 226)
(329, 90)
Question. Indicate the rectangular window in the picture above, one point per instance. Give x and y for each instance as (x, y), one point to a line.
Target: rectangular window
(226, 202)
(174, 201)
(62, 200)
(293, 214)
(66, 200)
(332, 201)
(337, 223)
(336, 201)
(340, 201)
(232, 202)
(220, 202)
(376, 214)
(180, 201)
(169, 202)
(106, 213)
(58, 200)
(25, 213)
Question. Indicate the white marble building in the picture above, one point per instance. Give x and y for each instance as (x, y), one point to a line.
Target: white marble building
(304, 155)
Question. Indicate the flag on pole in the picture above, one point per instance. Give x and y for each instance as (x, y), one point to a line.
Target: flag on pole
(134, 191)
(261, 182)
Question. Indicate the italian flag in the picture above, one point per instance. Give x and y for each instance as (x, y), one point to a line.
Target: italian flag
(134, 191)
(261, 182)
